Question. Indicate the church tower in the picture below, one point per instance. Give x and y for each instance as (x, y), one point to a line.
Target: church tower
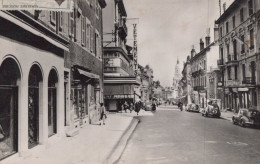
(177, 77)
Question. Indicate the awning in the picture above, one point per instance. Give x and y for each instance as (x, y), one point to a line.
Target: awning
(88, 74)
(122, 80)
(243, 89)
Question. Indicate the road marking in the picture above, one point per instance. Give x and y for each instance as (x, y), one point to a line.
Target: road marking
(155, 158)
(210, 141)
(160, 145)
(237, 143)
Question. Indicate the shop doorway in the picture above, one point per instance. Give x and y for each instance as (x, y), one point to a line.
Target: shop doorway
(35, 79)
(52, 103)
(9, 77)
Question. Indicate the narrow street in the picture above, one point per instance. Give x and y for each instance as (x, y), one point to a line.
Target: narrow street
(172, 136)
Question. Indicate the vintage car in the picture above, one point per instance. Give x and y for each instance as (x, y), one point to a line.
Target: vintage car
(247, 117)
(193, 108)
(211, 110)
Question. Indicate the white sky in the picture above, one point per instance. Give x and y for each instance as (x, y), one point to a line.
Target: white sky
(167, 29)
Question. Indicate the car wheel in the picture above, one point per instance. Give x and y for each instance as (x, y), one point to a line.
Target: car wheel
(242, 123)
(233, 120)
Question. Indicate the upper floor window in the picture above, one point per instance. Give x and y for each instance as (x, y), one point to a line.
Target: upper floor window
(88, 36)
(220, 32)
(252, 39)
(235, 70)
(83, 31)
(241, 15)
(226, 27)
(71, 23)
(97, 9)
(229, 73)
(53, 17)
(227, 49)
(250, 7)
(60, 17)
(234, 21)
(242, 44)
(221, 53)
(243, 71)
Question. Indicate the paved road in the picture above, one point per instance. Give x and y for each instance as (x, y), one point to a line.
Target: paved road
(172, 136)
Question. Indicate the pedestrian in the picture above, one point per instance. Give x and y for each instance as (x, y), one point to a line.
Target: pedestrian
(131, 107)
(103, 113)
(125, 106)
(137, 107)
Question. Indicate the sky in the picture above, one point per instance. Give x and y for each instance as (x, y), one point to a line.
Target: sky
(167, 29)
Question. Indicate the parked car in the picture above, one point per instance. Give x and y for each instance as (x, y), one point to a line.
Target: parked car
(147, 106)
(193, 108)
(212, 110)
(247, 117)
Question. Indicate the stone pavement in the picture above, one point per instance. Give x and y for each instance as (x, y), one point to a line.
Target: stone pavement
(227, 115)
(93, 145)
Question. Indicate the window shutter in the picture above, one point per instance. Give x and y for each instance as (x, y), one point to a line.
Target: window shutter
(91, 38)
(88, 37)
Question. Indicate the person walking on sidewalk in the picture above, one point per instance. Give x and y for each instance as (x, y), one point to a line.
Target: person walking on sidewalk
(125, 106)
(103, 113)
(131, 107)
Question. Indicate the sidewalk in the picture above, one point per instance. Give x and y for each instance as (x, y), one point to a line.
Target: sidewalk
(227, 115)
(93, 145)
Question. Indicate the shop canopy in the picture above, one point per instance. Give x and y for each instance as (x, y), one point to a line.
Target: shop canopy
(87, 74)
(121, 80)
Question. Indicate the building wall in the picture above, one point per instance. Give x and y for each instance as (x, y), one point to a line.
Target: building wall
(246, 81)
(26, 56)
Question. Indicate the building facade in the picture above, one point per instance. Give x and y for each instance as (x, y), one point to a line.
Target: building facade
(31, 87)
(119, 76)
(50, 70)
(186, 81)
(202, 63)
(238, 44)
(83, 65)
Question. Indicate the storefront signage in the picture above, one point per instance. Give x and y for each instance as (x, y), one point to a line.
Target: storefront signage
(243, 89)
(135, 47)
(119, 96)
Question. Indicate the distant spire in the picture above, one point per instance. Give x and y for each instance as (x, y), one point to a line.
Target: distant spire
(178, 60)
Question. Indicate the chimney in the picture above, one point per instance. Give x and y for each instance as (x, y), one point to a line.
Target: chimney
(207, 39)
(216, 33)
(201, 45)
(224, 7)
(193, 52)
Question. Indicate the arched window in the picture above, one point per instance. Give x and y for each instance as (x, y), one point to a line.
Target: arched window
(9, 75)
(52, 102)
(35, 77)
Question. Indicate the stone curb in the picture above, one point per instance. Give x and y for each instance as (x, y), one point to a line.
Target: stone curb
(120, 146)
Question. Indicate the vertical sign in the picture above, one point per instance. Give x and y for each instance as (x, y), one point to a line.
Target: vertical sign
(135, 48)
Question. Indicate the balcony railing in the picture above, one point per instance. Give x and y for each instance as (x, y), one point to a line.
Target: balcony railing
(231, 59)
(220, 62)
(198, 88)
(248, 80)
(197, 73)
(123, 30)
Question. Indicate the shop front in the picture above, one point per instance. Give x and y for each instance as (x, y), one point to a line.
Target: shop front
(120, 90)
(31, 87)
(85, 93)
